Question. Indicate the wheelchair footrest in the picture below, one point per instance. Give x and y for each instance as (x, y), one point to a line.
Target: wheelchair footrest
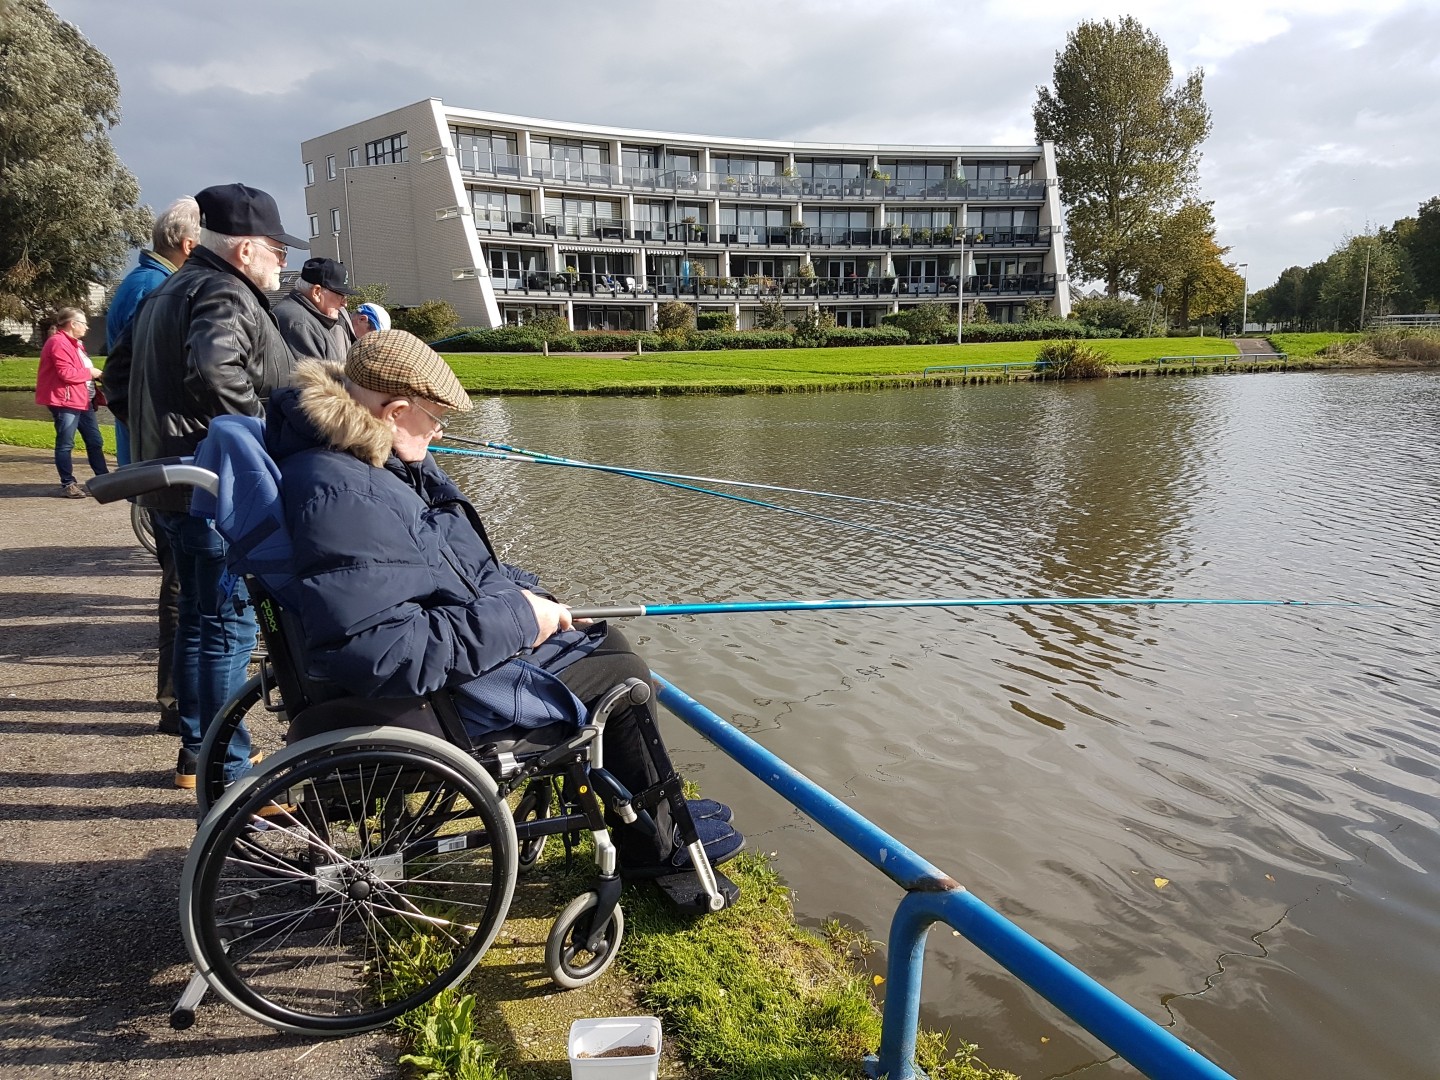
(684, 892)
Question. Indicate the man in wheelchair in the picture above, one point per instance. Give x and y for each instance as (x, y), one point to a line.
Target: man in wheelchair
(401, 593)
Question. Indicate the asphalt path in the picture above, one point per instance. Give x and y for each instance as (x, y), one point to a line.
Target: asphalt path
(92, 830)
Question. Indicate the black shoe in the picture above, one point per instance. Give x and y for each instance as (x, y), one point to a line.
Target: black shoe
(185, 768)
(169, 722)
(722, 843)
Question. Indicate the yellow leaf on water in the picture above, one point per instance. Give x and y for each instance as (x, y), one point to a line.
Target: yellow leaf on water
(1161, 882)
(1269, 877)
(1044, 1038)
(878, 979)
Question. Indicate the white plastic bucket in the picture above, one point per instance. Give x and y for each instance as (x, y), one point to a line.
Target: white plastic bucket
(591, 1038)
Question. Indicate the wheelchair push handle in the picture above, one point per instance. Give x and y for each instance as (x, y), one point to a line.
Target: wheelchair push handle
(148, 476)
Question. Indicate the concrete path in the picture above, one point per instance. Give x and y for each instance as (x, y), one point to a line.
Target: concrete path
(1252, 345)
(92, 830)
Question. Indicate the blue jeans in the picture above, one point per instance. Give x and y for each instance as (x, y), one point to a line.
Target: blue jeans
(213, 640)
(122, 442)
(67, 422)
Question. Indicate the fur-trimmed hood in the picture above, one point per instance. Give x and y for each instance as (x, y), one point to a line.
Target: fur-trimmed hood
(318, 411)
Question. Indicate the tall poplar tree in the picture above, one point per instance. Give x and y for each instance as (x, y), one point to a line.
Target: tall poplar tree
(1126, 144)
(69, 209)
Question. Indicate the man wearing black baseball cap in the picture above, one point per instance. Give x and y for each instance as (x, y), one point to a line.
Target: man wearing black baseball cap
(313, 320)
(205, 343)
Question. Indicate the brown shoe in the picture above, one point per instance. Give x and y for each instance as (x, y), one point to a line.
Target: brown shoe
(72, 490)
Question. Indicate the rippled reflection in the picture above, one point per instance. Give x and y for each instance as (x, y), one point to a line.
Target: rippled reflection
(1275, 768)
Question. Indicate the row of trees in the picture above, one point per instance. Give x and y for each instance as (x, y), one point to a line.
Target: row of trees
(1127, 144)
(1384, 271)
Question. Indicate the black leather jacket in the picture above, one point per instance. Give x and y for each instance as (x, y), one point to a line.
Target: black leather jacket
(205, 343)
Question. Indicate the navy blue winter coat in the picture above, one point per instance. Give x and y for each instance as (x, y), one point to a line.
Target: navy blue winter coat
(400, 590)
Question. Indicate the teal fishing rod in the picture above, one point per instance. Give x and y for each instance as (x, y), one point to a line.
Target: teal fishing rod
(649, 473)
(632, 611)
(567, 463)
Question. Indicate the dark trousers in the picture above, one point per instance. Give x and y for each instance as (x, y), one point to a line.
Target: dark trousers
(67, 423)
(627, 756)
(168, 611)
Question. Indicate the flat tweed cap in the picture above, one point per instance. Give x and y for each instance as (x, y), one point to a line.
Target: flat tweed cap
(397, 362)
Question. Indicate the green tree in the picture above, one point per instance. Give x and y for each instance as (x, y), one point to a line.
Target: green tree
(674, 317)
(1126, 144)
(1422, 245)
(770, 315)
(1183, 255)
(1364, 271)
(429, 321)
(69, 210)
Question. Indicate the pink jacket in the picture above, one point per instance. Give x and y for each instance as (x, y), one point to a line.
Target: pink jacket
(64, 373)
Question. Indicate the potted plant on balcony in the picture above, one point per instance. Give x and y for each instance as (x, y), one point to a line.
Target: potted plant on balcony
(922, 235)
(946, 234)
(696, 231)
(797, 231)
(572, 274)
(902, 234)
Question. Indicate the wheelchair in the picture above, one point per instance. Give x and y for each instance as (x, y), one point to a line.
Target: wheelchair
(379, 823)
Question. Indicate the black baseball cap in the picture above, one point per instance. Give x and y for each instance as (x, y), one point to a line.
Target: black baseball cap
(329, 273)
(237, 210)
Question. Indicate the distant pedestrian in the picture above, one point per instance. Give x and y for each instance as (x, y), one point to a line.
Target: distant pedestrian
(65, 385)
(207, 344)
(313, 320)
(176, 233)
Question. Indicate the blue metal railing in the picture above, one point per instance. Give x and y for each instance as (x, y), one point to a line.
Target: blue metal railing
(932, 896)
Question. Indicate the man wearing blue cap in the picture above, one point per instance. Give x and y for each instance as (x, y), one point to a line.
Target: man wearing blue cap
(313, 320)
(205, 343)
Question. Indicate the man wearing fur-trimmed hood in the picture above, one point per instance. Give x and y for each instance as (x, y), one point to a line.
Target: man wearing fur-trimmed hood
(401, 592)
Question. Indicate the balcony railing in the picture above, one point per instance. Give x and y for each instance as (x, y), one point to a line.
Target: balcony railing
(551, 171)
(686, 234)
(977, 286)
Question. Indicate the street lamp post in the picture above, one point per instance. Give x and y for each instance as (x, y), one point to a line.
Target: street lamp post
(1245, 297)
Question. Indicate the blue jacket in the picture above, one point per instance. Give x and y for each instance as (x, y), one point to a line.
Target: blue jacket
(398, 587)
(136, 285)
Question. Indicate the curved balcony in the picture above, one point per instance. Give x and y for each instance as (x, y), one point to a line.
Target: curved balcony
(586, 174)
(688, 234)
(977, 287)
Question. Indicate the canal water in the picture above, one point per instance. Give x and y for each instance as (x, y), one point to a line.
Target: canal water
(1227, 815)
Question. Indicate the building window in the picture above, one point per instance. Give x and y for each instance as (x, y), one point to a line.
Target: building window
(584, 217)
(758, 225)
(482, 150)
(309, 173)
(354, 157)
(571, 159)
(314, 224)
(498, 209)
(850, 317)
(387, 151)
(840, 226)
(335, 219)
(330, 167)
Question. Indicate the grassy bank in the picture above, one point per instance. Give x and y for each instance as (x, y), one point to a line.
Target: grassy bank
(41, 435)
(1304, 346)
(745, 993)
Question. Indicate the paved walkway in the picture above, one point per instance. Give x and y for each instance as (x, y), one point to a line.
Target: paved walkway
(92, 832)
(1248, 345)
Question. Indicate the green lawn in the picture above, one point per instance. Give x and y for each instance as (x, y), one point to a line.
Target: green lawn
(736, 370)
(41, 435)
(1304, 346)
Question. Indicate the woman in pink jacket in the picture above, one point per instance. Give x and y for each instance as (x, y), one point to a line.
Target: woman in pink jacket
(64, 386)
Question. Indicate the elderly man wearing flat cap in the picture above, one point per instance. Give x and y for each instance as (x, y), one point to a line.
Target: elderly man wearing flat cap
(313, 320)
(205, 343)
(401, 592)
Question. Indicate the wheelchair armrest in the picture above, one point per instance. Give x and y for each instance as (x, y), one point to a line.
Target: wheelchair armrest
(148, 476)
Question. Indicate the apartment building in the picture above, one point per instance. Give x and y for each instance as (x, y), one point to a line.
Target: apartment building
(504, 215)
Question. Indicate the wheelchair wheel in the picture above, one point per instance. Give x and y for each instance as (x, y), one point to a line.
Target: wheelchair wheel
(348, 880)
(143, 526)
(567, 959)
(534, 805)
(267, 738)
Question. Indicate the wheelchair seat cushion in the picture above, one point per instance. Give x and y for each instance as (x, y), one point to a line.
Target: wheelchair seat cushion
(417, 714)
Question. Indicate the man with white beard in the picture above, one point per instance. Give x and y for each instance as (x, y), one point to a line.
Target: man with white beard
(205, 343)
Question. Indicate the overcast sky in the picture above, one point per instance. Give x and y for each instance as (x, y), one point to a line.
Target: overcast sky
(1326, 112)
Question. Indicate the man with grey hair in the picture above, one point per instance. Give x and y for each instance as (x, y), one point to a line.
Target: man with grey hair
(313, 320)
(176, 232)
(205, 343)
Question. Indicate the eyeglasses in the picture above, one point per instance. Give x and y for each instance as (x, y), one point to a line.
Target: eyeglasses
(439, 421)
(279, 252)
